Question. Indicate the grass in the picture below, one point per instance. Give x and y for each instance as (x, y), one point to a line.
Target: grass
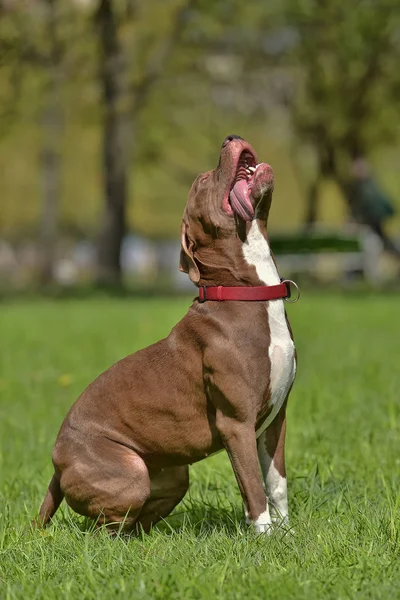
(342, 454)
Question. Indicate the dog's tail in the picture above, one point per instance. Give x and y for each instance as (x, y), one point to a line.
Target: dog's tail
(50, 504)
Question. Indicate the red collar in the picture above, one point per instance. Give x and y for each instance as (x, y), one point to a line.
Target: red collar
(252, 293)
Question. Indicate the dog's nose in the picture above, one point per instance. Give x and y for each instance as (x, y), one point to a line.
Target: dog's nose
(229, 138)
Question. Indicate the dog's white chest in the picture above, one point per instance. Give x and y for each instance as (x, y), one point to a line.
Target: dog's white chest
(281, 351)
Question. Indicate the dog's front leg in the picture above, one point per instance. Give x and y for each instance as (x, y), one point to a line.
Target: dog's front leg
(271, 453)
(240, 442)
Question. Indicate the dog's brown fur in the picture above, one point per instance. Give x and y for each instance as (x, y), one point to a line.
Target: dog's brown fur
(122, 454)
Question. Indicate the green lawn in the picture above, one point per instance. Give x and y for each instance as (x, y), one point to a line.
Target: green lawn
(343, 457)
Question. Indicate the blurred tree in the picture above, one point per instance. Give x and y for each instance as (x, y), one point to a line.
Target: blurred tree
(52, 129)
(116, 119)
(124, 37)
(344, 65)
(186, 75)
(33, 41)
(335, 70)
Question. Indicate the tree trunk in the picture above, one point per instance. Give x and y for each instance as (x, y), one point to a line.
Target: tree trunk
(121, 104)
(112, 74)
(326, 168)
(52, 125)
(312, 204)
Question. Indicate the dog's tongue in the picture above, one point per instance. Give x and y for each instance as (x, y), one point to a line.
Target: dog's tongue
(240, 200)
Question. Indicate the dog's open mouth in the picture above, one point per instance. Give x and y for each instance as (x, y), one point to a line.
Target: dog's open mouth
(250, 183)
(239, 195)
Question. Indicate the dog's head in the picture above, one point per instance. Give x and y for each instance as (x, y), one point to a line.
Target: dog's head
(221, 202)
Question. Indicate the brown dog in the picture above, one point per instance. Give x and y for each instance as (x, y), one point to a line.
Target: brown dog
(219, 380)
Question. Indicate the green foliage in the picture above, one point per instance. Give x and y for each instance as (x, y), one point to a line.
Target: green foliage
(263, 70)
(342, 455)
(347, 75)
(313, 243)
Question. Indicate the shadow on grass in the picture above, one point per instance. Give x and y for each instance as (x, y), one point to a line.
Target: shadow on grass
(201, 518)
(214, 512)
(197, 518)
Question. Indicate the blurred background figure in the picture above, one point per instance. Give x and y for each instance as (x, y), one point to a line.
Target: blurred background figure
(110, 108)
(369, 204)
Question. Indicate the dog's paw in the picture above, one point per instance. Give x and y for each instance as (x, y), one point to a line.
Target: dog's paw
(263, 528)
(263, 524)
(267, 524)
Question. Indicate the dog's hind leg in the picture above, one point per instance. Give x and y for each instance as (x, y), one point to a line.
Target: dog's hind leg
(167, 488)
(107, 482)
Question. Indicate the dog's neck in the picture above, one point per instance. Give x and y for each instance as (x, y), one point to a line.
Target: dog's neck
(244, 259)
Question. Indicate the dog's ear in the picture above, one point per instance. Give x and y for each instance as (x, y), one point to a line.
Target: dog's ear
(187, 263)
